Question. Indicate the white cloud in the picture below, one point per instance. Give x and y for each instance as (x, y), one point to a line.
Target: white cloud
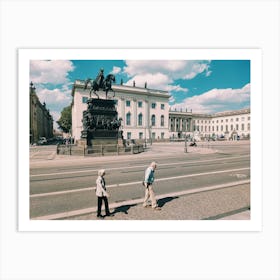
(55, 99)
(50, 71)
(156, 80)
(116, 70)
(217, 100)
(161, 74)
(175, 69)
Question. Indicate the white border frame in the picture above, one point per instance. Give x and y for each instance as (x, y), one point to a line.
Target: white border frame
(254, 55)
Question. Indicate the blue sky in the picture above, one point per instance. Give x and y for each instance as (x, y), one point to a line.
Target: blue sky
(205, 86)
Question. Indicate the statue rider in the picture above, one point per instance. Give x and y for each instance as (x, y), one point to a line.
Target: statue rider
(100, 78)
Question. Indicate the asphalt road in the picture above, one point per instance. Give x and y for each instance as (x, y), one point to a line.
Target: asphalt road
(61, 185)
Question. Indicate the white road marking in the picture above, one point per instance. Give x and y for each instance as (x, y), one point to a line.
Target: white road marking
(138, 182)
(137, 201)
(131, 167)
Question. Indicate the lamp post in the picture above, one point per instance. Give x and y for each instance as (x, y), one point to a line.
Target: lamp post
(186, 146)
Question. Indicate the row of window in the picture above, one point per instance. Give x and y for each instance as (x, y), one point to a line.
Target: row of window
(140, 104)
(140, 119)
(141, 135)
(128, 103)
(222, 127)
(217, 121)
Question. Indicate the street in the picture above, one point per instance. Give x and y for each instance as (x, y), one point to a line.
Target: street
(63, 187)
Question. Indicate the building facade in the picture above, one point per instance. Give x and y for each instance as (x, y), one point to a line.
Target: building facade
(229, 125)
(146, 114)
(40, 121)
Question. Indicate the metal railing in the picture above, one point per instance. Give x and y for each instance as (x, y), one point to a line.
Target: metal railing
(98, 150)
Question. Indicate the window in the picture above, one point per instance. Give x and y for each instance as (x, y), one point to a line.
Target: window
(201, 128)
(128, 135)
(162, 135)
(248, 118)
(217, 121)
(140, 104)
(162, 106)
(217, 128)
(140, 119)
(84, 99)
(231, 120)
(162, 120)
(222, 120)
(237, 119)
(153, 105)
(197, 121)
(222, 128)
(248, 125)
(226, 120)
(154, 135)
(128, 118)
(237, 126)
(231, 127)
(243, 118)
(242, 126)
(226, 128)
(153, 120)
(127, 103)
(140, 135)
(213, 128)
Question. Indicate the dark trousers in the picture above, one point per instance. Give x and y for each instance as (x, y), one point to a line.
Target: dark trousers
(99, 205)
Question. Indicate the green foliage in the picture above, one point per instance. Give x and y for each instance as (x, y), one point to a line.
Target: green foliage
(65, 121)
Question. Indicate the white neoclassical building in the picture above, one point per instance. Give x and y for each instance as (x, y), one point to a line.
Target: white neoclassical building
(229, 124)
(146, 114)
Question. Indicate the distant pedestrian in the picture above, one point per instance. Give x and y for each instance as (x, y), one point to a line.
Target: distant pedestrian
(102, 194)
(149, 192)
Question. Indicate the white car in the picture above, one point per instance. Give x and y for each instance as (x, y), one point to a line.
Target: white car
(42, 141)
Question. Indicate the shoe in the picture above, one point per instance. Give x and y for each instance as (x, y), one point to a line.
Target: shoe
(110, 215)
(157, 208)
(146, 206)
(100, 217)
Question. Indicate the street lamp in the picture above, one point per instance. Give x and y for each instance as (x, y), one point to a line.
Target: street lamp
(145, 144)
(186, 146)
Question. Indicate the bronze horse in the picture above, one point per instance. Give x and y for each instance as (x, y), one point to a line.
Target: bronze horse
(100, 83)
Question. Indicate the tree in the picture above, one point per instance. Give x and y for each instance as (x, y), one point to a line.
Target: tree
(65, 121)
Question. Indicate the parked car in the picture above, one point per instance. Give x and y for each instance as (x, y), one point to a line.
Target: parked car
(42, 141)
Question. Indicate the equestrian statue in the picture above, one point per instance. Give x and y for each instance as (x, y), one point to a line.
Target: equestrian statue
(102, 83)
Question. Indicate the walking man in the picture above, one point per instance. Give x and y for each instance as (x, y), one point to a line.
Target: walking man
(148, 181)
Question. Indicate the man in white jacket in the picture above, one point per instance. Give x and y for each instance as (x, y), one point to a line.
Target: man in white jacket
(148, 181)
(102, 194)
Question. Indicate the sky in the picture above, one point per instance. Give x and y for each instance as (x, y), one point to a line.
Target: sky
(203, 86)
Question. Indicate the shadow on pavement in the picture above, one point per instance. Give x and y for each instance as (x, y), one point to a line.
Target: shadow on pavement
(165, 200)
(123, 209)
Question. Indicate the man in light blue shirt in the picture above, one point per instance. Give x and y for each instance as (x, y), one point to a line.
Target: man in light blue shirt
(149, 192)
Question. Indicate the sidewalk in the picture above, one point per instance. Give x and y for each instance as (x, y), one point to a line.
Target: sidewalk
(157, 150)
(225, 204)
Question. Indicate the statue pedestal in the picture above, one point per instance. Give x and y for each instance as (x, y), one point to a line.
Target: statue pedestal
(101, 125)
